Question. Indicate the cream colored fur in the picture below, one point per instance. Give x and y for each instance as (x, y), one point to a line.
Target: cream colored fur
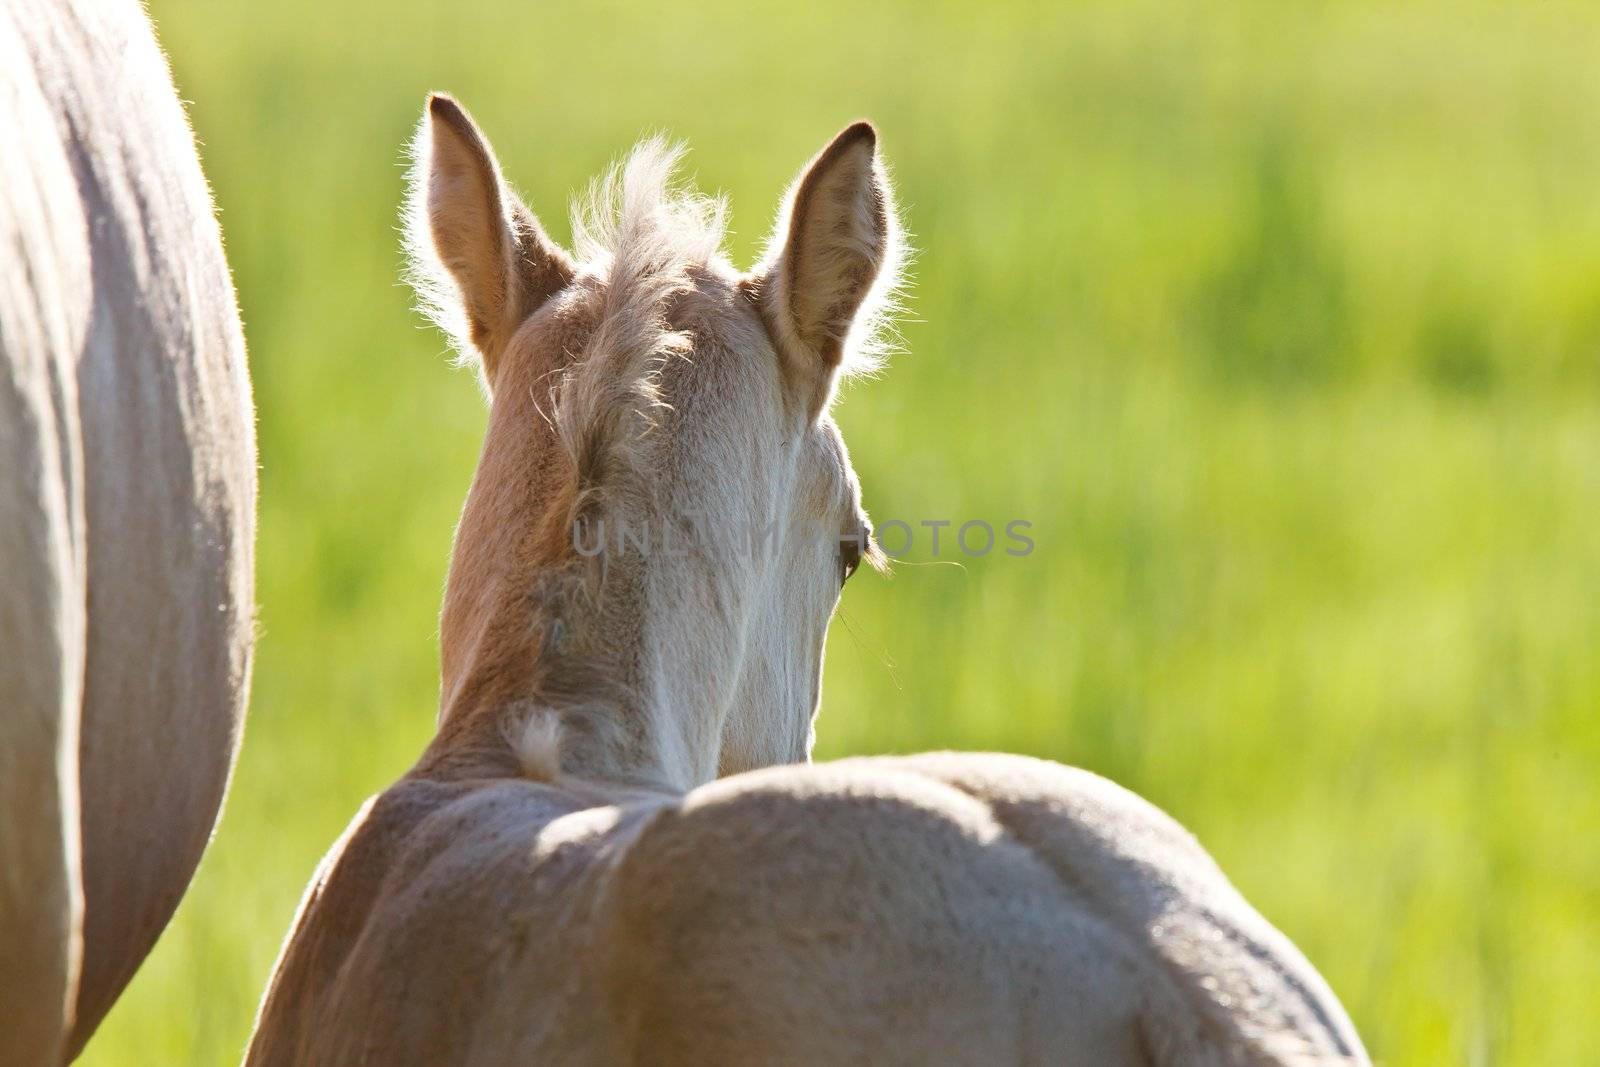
(127, 497)
(614, 850)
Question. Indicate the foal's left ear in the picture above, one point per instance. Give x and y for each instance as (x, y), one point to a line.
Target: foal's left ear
(480, 261)
(833, 262)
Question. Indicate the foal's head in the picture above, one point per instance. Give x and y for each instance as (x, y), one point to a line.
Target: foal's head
(664, 512)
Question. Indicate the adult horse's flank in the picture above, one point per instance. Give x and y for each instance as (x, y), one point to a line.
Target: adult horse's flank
(559, 879)
(127, 514)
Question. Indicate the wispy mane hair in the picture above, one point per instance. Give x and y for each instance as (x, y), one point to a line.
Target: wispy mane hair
(640, 238)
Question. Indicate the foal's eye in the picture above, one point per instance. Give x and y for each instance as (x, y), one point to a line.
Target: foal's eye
(850, 554)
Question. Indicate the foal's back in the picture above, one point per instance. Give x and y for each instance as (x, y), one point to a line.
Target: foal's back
(932, 909)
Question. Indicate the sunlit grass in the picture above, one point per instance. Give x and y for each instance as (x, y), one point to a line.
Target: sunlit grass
(1280, 323)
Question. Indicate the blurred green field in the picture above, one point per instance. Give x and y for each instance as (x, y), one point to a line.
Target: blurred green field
(1279, 321)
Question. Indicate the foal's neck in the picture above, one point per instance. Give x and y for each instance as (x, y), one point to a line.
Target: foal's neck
(525, 669)
(529, 627)
(527, 634)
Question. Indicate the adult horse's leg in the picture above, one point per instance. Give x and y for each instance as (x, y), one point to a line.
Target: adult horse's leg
(164, 428)
(44, 290)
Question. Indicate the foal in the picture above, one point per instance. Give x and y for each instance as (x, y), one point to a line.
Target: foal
(560, 879)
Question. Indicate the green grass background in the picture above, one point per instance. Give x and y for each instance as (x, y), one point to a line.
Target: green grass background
(1280, 321)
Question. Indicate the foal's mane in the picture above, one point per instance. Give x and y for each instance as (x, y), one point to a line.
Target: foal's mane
(641, 238)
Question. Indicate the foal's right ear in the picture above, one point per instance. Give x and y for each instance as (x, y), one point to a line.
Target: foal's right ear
(832, 266)
(479, 260)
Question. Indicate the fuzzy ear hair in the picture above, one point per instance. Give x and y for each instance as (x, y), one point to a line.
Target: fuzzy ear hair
(833, 265)
(479, 261)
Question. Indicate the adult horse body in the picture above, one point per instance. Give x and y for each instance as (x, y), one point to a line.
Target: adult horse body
(559, 879)
(127, 514)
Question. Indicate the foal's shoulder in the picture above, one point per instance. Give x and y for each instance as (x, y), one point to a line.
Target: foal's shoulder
(433, 893)
(430, 841)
